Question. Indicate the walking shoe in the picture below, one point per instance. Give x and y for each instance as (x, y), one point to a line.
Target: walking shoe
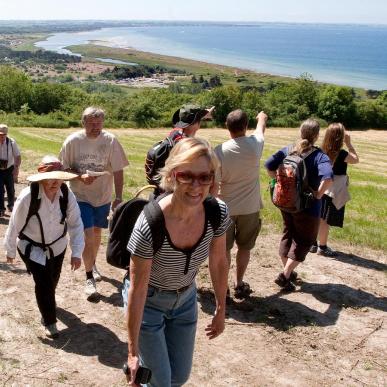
(284, 283)
(313, 249)
(293, 276)
(91, 289)
(327, 252)
(96, 274)
(51, 331)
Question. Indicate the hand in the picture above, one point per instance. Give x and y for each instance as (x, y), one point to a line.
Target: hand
(216, 327)
(347, 138)
(262, 116)
(208, 116)
(10, 260)
(15, 175)
(75, 263)
(133, 365)
(86, 179)
(116, 203)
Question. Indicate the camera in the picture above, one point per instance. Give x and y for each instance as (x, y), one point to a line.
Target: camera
(143, 375)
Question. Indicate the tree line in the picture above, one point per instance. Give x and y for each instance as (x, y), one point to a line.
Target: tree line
(27, 103)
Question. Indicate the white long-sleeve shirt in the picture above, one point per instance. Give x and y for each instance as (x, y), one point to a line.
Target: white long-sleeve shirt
(51, 215)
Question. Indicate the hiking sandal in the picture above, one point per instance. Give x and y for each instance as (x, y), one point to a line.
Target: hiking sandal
(242, 291)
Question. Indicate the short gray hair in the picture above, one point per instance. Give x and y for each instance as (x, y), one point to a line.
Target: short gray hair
(92, 111)
(3, 129)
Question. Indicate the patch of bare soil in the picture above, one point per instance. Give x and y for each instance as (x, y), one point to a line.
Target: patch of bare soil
(332, 331)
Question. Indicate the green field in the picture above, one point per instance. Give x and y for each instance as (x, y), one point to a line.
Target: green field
(366, 214)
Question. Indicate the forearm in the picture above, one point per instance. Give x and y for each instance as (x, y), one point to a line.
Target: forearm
(136, 302)
(324, 185)
(118, 183)
(17, 162)
(354, 158)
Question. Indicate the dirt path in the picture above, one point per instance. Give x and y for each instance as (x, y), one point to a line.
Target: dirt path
(332, 331)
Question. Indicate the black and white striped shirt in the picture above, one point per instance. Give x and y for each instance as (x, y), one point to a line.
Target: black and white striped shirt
(169, 263)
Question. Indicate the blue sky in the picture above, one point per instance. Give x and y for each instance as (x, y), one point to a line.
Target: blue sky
(311, 11)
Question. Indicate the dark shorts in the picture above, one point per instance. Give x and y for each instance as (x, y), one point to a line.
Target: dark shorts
(330, 213)
(299, 233)
(94, 216)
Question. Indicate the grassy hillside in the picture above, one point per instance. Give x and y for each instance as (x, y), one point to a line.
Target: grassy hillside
(365, 214)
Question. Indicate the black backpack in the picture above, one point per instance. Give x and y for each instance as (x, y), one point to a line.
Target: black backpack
(125, 217)
(157, 155)
(33, 211)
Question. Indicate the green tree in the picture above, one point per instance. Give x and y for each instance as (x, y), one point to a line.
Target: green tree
(47, 97)
(15, 88)
(336, 103)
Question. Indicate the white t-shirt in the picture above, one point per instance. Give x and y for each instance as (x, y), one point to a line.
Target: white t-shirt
(9, 151)
(103, 153)
(239, 173)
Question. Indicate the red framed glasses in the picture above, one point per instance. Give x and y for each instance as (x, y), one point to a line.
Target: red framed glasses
(187, 177)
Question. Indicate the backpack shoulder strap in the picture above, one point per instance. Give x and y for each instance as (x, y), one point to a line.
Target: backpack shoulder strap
(155, 218)
(213, 213)
(34, 203)
(63, 201)
(310, 151)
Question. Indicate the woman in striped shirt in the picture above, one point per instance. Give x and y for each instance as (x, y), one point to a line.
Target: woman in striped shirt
(161, 291)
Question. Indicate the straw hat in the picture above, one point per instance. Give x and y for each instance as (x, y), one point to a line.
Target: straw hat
(60, 175)
(51, 168)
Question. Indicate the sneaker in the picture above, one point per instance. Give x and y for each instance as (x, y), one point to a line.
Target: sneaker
(313, 249)
(51, 331)
(327, 252)
(90, 289)
(285, 284)
(96, 274)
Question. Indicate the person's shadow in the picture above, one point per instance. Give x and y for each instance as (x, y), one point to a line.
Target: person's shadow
(353, 259)
(114, 299)
(89, 340)
(14, 268)
(283, 314)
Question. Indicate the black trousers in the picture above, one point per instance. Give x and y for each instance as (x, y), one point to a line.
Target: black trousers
(46, 278)
(6, 179)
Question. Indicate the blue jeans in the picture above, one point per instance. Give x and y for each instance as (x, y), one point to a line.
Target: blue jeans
(167, 334)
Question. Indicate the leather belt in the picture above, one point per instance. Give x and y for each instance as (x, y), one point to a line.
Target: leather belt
(177, 291)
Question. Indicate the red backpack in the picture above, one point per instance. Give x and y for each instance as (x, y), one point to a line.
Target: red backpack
(290, 191)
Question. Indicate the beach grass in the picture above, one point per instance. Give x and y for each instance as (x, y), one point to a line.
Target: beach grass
(365, 221)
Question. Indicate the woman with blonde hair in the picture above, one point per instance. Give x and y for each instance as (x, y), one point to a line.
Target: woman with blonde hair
(334, 199)
(301, 228)
(160, 290)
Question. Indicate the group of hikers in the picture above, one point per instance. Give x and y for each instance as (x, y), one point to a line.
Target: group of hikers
(205, 200)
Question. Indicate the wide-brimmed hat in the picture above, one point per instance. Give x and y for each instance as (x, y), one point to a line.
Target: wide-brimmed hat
(51, 168)
(57, 175)
(187, 115)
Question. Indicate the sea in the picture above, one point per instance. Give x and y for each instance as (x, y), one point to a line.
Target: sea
(343, 54)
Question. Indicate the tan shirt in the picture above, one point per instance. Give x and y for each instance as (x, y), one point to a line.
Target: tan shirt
(103, 153)
(239, 173)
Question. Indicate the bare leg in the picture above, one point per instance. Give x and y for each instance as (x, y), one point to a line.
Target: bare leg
(284, 260)
(323, 232)
(242, 261)
(92, 242)
(289, 267)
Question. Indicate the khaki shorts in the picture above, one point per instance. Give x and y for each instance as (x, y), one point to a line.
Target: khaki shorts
(243, 230)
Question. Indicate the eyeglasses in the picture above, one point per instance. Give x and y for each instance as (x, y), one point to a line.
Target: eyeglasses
(189, 177)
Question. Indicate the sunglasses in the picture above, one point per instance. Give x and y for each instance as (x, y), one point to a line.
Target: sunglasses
(189, 178)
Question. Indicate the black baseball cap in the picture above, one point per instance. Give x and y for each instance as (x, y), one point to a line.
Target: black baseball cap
(188, 115)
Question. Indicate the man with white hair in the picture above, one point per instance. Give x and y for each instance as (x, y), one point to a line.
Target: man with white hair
(98, 159)
(10, 160)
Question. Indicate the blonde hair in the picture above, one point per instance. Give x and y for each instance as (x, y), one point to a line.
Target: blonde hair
(309, 131)
(185, 152)
(92, 111)
(333, 140)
